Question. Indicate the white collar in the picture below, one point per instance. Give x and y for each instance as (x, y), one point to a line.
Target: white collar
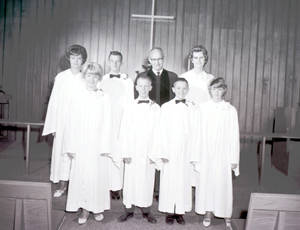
(143, 99)
(115, 73)
(160, 72)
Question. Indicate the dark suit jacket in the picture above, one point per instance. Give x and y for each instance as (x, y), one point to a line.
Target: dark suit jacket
(161, 86)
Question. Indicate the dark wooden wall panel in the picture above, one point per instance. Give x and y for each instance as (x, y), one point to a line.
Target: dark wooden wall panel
(291, 78)
(267, 48)
(296, 96)
(236, 76)
(253, 44)
(244, 63)
(252, 65)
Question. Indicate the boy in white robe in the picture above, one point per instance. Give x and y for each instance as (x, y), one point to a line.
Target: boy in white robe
(215, 155)
(119, 87)
(64, 89)
(87, 141)
(175, 197)
(139, 147)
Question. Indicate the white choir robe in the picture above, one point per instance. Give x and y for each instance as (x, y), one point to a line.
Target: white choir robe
(64, 89)
(139, 142)
(175, 195)
(120, 91)
(216, 147)
(198, 93)
(87, 136)
(198, 86)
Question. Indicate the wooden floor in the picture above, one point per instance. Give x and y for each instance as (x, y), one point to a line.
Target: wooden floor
(12, 166)
(110, 222)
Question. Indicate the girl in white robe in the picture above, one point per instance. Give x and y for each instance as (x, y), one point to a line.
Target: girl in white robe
(64, 89)
(215, 155)
(87, 141)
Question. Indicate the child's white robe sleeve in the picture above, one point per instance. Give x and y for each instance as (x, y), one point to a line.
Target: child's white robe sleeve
(235, 144)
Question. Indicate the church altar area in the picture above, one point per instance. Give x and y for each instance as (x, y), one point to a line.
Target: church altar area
(12, 167)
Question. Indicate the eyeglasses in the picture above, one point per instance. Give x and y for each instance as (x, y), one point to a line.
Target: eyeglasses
(143, 86)
(156, 59)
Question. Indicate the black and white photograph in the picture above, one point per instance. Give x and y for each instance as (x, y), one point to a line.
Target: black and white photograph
(149, 114)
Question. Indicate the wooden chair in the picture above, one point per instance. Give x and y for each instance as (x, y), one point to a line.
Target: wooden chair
(27, 206)
(273, 212)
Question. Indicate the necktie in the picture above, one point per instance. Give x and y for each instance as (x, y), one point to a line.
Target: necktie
(158, 74)
(143, 101)
(114, 75)
(178, 101)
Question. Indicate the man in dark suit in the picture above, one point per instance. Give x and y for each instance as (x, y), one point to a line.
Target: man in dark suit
(162, 79)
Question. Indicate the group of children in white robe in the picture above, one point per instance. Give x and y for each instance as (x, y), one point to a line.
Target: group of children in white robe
(104, 129)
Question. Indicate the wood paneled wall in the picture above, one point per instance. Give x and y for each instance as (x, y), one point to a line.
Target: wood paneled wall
(254, 44)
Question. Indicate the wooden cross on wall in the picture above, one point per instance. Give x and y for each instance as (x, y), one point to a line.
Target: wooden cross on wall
(152, 17)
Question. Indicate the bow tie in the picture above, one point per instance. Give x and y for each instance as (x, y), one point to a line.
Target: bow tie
(178, 101)
(114, 75)
(143, 101)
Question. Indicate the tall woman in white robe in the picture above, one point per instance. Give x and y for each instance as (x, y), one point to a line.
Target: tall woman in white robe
(64, 89)
(197, 77)
(216, 154)
(87, 141)
(198, 80)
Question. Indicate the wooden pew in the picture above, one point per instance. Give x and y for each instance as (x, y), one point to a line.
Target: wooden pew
(27, 206)
(273, 212)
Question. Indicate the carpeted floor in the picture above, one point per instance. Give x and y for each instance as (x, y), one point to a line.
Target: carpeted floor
(12, 166)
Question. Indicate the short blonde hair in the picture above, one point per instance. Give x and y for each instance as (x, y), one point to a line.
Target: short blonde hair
(92, 68)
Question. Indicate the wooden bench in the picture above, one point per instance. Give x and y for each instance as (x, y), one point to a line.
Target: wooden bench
(28, 206)
(269, 211)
